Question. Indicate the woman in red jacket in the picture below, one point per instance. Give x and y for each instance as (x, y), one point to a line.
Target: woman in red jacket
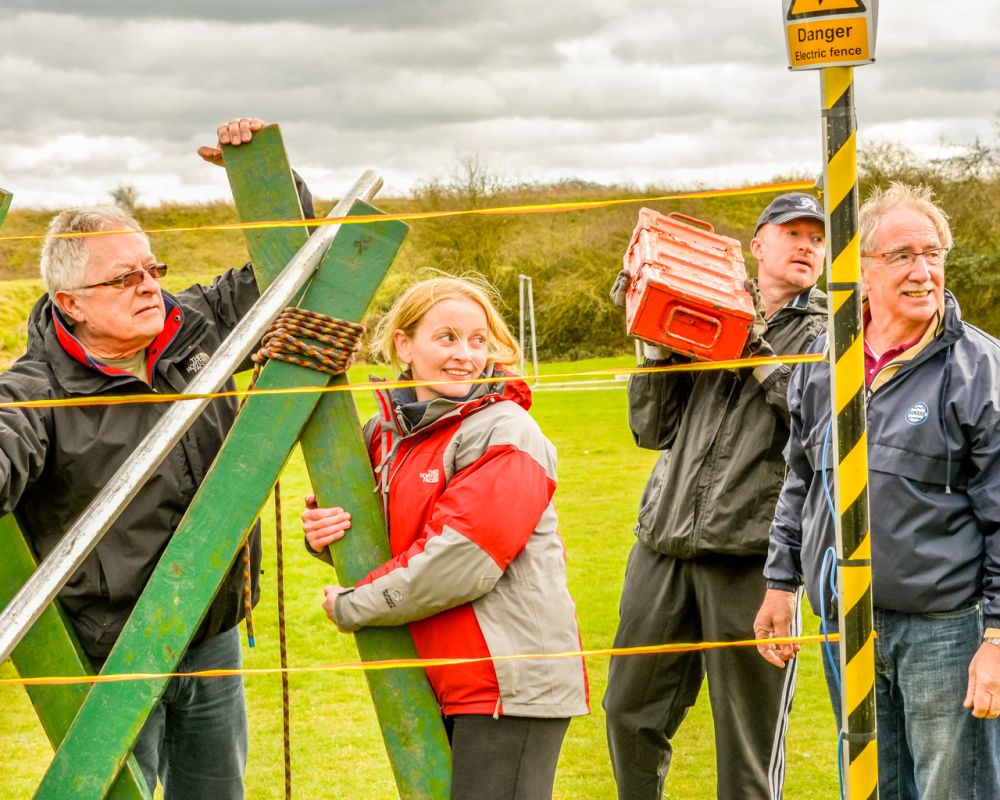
(478, 568)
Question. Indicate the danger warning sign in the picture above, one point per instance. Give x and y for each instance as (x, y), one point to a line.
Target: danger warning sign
(829, 33)
(819, 8)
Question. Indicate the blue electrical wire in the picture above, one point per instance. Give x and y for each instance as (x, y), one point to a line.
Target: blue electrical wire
(840, 761)
(830, 559)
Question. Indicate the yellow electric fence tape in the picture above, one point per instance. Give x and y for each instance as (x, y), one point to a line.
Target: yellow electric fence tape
(538, 208)
(369, 666)
(121, 400)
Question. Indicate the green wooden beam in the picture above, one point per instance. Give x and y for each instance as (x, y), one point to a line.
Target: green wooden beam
(5, 198)
(51, 649)
(408, 712)
(212, 532)
(264, 189)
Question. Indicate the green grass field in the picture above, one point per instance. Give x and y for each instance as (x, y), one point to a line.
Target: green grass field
(336, 746)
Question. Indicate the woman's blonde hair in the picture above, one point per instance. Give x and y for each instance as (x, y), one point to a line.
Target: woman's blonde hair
(415, 302)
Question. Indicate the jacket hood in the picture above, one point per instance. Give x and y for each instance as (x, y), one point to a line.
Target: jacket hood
(953, 328)
(816, 301)
(39, 321)
(392, 402)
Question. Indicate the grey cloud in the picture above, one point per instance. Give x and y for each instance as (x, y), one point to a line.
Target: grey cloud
(342, 12)
(634, 91)
(424, 16)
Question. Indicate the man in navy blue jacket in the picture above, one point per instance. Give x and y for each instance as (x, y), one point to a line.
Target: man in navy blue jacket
(933, 408)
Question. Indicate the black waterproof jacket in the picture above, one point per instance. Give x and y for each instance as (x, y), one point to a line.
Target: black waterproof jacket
(715, 485)
(53, 461)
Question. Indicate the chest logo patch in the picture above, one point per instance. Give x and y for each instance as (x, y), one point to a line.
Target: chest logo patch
(431, 476)
(196, 363)
(917, 414)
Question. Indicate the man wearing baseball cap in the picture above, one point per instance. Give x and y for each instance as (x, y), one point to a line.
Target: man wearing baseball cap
(696, 571)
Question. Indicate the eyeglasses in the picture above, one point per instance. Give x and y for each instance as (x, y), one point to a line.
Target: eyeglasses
(133, 278)
(934, 257)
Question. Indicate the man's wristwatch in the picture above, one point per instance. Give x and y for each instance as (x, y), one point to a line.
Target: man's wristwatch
(992, 636)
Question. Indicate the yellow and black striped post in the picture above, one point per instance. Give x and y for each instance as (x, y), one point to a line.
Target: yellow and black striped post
(847, 389)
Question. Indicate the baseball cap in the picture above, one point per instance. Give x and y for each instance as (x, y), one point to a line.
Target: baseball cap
(788, 207)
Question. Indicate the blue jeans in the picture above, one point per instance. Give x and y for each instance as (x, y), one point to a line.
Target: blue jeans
(929, 746)
(195, 740)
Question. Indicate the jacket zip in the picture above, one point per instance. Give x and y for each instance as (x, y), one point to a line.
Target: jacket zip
(711, 463)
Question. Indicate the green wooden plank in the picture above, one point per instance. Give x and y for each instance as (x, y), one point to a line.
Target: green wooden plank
(51, 649)
(212, 532)
(5, 198)
(408, 712)
(263, 163)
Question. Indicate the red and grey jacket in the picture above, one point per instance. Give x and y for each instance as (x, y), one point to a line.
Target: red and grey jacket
(478, 568)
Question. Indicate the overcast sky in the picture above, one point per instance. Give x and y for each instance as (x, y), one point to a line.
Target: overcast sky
(669, 92)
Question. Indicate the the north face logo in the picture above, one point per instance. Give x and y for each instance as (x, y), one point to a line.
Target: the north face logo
(196, 363)
(431, 476)
(392, 597)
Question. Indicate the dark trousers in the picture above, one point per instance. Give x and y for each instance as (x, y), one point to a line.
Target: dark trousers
(714, 598)
(503, 758)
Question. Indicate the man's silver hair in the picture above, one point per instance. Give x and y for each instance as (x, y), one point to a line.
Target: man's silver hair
(64, 259)
(880, 201)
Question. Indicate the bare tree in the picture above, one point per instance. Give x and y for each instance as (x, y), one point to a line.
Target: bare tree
(125, 196)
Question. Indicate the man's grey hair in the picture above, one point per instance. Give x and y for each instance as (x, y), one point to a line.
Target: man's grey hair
(880, 201)
(64, 259)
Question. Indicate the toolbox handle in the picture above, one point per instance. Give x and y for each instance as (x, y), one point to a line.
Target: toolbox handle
(696, 315)
(679, 215)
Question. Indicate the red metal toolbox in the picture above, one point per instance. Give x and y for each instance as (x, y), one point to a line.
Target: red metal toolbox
(687, 290)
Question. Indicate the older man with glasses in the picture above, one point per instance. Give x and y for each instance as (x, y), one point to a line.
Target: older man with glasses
(934, 482)
(107, 328)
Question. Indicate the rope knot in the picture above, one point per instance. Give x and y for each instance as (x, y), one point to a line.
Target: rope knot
(298, 335)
